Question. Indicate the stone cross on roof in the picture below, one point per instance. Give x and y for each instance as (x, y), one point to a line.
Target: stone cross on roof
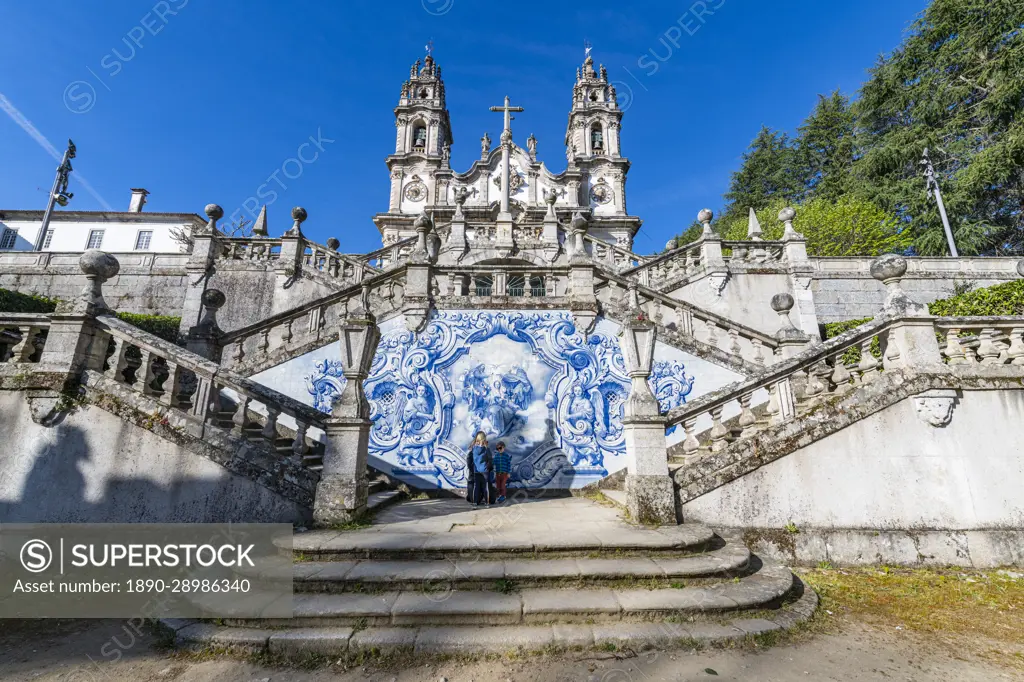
(506, 146)
(507, 109)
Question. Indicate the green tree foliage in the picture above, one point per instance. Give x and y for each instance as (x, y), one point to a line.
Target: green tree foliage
(769, 171)
(955, 86)
(1001, 299)
(825, 148)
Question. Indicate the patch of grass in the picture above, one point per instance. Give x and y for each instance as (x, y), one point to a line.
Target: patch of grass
(791, 528)
(504, 586)
(967, 610)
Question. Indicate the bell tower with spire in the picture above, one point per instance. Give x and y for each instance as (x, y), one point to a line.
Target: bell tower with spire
(592, 146)
(423, 139)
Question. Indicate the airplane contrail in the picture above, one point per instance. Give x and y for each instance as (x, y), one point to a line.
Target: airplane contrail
(41, 140)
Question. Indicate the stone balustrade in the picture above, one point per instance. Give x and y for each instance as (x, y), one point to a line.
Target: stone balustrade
(255, 249)
(690, 321)
(523, 282)
(798, 384)
(388, 256)
(612, 255)
(754, 252)
(181, 380)
(982, 340)
(334, 264)
(22, 337)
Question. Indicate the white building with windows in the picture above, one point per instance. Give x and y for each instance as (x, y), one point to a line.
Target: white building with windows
(115, 232)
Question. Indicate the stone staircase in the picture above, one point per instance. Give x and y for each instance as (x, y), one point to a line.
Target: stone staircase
(437, 576)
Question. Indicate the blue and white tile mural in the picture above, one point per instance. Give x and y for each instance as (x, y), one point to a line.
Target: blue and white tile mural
(523, 377)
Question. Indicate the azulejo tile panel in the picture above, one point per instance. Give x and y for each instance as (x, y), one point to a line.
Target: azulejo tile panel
(528, 379)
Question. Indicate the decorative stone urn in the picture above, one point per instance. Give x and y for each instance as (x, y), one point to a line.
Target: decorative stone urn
(98, 266)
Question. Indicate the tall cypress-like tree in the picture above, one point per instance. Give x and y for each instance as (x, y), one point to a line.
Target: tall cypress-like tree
(769, 171)
(826, 149)
(955, 86)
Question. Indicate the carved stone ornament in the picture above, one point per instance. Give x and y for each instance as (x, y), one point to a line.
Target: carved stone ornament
(515, 180)
(416, 190)
(601, 193)
(935, 407)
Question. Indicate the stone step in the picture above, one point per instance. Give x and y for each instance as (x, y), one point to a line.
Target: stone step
(440, 605)
(471, 574)
(517, 639)
(375, 486)
(390, 544)
(616, 496)
(381, 498)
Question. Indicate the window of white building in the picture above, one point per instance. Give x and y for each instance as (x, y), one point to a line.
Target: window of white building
(143, 239)
(47, 239)
(8, 240)
(95, 239)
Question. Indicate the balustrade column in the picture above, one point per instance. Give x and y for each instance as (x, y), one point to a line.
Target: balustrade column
(24, 348)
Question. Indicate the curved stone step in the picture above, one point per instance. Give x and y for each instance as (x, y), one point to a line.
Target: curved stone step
(374, 543)
(470, 574)
(431, 640)
(439, 604)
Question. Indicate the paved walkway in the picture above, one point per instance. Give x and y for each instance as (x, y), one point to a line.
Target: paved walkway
(531, 524)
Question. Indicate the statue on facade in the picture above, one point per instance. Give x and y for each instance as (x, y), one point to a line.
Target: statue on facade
(531, 146)
(485, 144)
(446, 152)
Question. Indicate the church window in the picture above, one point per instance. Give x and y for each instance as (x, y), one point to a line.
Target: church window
(9, 239)
(419, 138)
(143, 239)
(484, 285)
(95, 239)
(516, 285)
(597, 139)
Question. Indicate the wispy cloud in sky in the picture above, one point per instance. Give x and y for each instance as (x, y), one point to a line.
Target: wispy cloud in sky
(33, 132)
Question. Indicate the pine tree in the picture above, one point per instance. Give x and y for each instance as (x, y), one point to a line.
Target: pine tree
(769, 171)
(825, 147)
(954, 86)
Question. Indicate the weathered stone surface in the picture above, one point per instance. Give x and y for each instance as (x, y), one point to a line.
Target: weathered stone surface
(324, 641)
(483, 640)
(209, 634)
(383, 639)
(640, 634)
(569, 605)
(413, 608)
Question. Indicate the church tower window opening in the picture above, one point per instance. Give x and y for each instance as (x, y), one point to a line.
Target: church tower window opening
(597, 139)
(516, 285)
(419, 137)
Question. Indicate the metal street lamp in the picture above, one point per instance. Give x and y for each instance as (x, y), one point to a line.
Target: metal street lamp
(932, 184)
(59, 194)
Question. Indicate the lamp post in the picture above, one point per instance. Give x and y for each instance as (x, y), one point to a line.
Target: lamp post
(59, 194)
(933, 187)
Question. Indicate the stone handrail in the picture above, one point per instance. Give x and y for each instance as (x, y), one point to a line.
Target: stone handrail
(678, 262)
(295, 329)
(183, 380)
(333, 263)
(758, 252)
(612, 255)
(387, 256)
(990, 340)
(834, 367)
(21, 336)
(706, 326)
(537, 281)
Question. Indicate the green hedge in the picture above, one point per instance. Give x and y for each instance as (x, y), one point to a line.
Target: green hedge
(17, 302)
(1001, 299)
(164, 326)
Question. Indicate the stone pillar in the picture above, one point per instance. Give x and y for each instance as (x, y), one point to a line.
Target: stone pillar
(204, 338)
(549, 233)
(197, 270)
(801, 274)
(650, 493)
(914, 333)
(456, 244)
(582, 299)
(791, 340)
(341, 492)
(416, 303)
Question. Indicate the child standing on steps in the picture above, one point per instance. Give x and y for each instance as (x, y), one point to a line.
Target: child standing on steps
(502, 469)
(480, 466)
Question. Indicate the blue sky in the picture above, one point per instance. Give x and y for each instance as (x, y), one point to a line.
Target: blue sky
(202, 101)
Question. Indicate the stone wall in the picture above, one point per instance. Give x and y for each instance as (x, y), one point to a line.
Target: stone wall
(844, 289)
(94, 467)
(147, 283)
(890, 471)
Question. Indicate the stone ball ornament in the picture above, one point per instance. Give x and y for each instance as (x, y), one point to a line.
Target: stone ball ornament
(888, 267)
(782, 302)
(579, 223)
(333, 243)
(213, 298)
(214, 212)
(705, 215)
(1020, 267)
(299, 214)
(98, 265)
(787, 214)
(422, 221)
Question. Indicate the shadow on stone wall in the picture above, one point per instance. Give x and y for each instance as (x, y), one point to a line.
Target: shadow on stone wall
(55, 491)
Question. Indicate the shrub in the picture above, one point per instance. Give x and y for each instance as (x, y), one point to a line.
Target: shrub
(164, 326)
(17, 302)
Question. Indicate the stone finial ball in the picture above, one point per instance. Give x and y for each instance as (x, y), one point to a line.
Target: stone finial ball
(214, 212)
(888, 266)
(670, 244)
(787, 214)
(422, 220)
(299, 214)
(705, 215)
(782, 302)
(99, 264)
(213, 299)
(551, 198)
(579, 223)
(333, 243)
(1020, 267)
